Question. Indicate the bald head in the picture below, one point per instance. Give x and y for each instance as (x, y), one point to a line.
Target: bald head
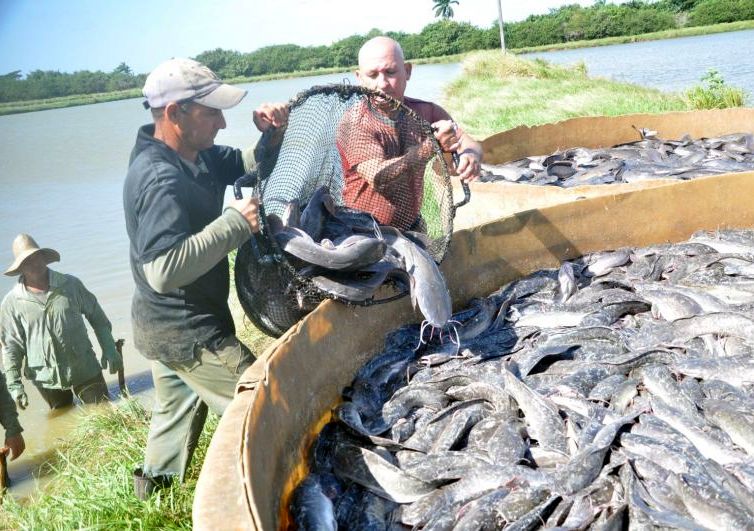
(382, 67)
(379, 47)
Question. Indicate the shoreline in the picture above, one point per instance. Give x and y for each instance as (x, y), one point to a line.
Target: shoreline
(20, 107)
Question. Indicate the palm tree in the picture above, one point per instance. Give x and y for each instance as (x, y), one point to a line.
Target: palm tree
(444, 8)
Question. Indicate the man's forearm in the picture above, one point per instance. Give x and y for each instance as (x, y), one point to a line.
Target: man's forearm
(105, 338)
(198, 253)
(8, 413)
(381, 174)
(12, 366)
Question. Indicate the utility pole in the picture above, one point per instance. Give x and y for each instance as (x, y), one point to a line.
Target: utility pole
(500, 23)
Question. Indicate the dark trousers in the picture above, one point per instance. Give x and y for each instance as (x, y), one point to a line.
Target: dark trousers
(91, 391)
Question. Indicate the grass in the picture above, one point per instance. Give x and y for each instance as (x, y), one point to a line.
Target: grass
(92, 485)
(500, 91)
(713, 93)
(66, 101)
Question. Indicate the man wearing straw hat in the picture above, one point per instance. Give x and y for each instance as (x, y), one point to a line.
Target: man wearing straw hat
(43, 333)
(180, 237)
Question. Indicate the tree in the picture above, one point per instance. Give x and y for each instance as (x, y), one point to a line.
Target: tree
(346, 51)
(444, 8)
(123, 69)
(220, 61)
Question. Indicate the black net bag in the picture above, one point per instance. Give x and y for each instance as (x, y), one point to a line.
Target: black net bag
(348, 157)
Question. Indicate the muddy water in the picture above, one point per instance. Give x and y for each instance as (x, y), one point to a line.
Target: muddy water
(61, 175)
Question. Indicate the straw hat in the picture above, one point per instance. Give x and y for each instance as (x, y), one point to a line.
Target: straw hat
(23, 247)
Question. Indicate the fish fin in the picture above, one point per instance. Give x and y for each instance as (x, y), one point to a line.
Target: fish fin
(412, 287)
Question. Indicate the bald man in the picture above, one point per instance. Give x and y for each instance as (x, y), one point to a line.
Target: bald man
(383, 163)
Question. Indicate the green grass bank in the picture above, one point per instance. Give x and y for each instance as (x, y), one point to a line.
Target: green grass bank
(92, 485)
(498, 91)
(92, 488)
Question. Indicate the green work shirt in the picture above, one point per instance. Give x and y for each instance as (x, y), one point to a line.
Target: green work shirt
(50, 335)
(8, 412)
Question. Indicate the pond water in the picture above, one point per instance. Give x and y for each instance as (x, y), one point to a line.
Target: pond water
(671, 64)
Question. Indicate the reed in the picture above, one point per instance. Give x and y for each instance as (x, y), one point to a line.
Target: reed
(714, 93)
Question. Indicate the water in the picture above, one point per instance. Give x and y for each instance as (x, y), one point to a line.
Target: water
(670, 65)
(61, 177)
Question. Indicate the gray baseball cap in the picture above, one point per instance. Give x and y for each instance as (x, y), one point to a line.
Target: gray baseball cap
(180, 80)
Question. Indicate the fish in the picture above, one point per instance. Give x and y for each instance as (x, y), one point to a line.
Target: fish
(326, 250)
(639, 417)
(314, 215)
(353, 253)
(312, 508)
(376, 474)
(566, 281)
(649, 158)
(736, 422)
(542, 417)
(428, 290)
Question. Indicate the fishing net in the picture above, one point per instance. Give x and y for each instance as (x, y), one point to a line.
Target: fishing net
(373, 154)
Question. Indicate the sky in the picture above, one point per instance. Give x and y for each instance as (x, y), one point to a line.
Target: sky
(71, 35)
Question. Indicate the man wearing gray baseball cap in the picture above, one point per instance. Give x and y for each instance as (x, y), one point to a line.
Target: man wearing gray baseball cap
(180, 237)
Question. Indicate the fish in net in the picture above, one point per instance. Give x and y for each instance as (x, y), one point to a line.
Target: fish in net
(356, 204)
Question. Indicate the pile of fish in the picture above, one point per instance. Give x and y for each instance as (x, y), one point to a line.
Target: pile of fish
(616, 392)
(648, 158)
(346, 254)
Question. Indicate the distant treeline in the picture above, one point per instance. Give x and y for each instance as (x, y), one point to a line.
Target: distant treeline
(43, 84)
(444, 37)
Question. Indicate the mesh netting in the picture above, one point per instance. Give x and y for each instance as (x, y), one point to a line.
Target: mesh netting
(379, 162)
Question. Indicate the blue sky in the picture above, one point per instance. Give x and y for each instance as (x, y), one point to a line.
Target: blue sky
(70, 35)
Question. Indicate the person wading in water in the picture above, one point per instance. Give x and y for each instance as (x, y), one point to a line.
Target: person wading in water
(43, 333)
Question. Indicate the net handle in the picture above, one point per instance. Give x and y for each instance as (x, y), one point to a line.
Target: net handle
(464, 185)
(266, 256)
(466, 197)
(247, 179)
